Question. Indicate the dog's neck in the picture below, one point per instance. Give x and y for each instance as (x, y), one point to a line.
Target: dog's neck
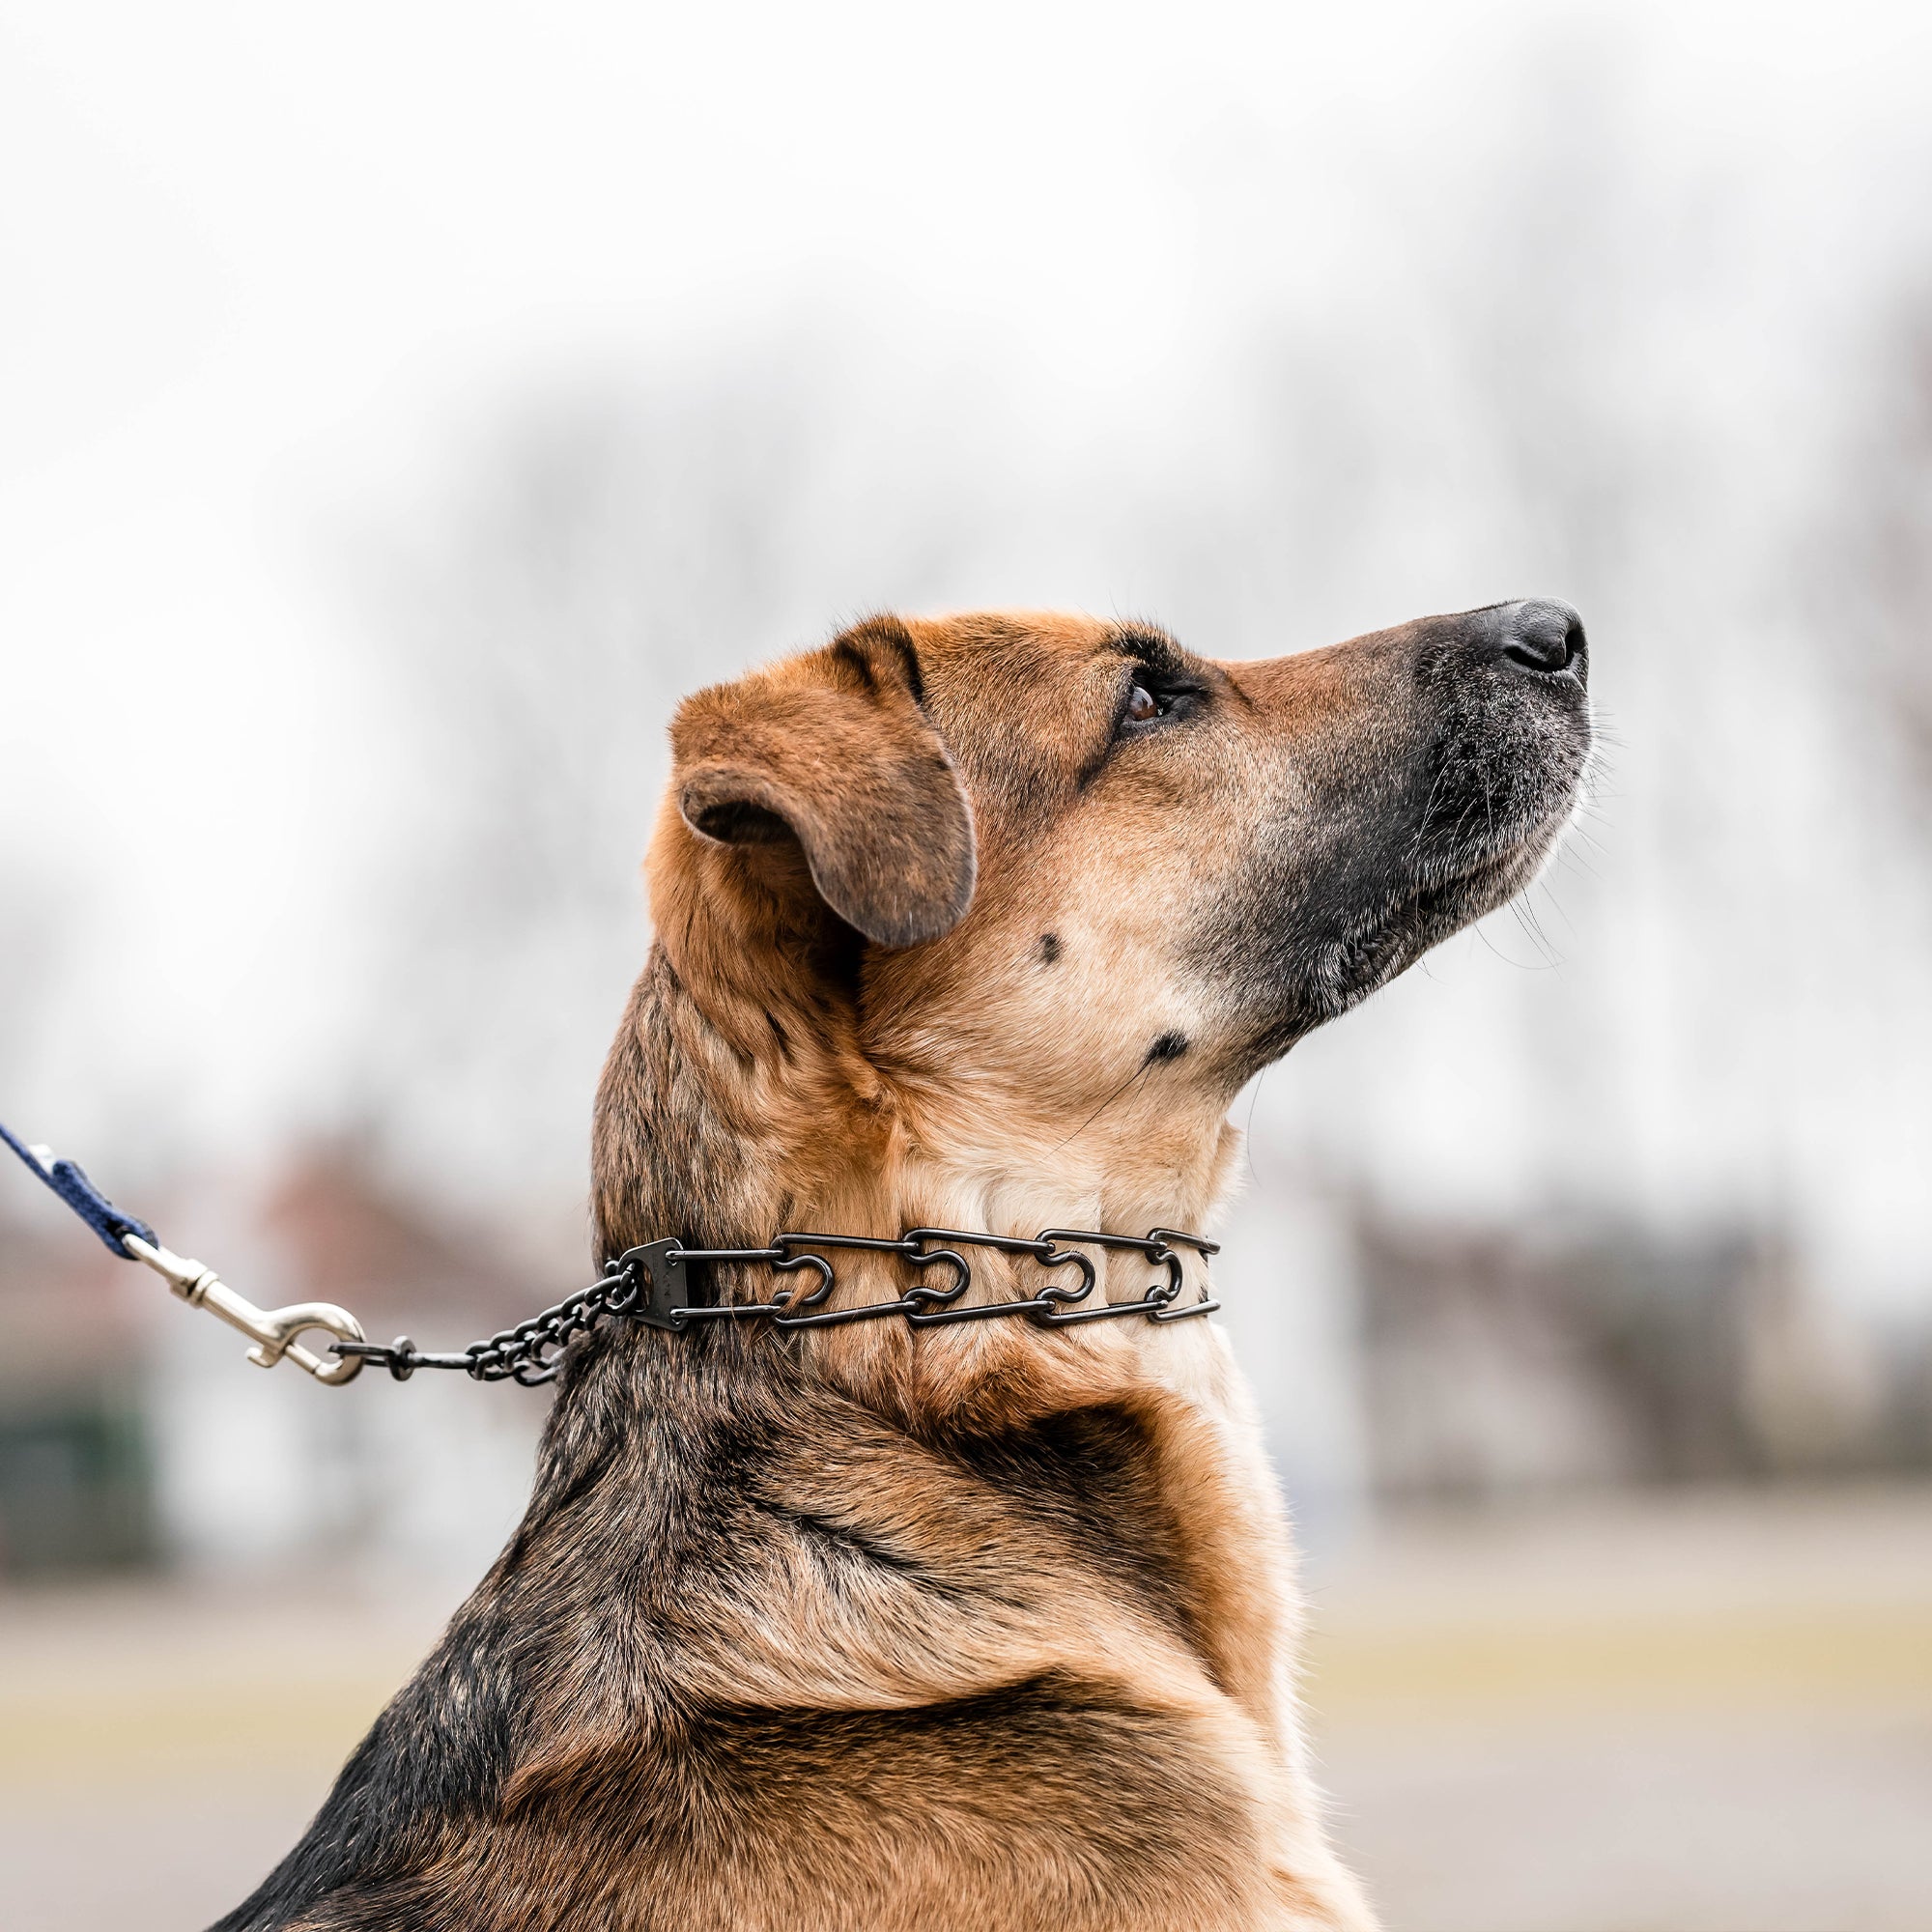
(724, 1119)
(727, 1120)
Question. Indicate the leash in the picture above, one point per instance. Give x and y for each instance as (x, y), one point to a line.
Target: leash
(271, 1330)
(651, 1284)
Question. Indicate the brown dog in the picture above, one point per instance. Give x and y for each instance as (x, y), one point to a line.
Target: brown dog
(977, 922)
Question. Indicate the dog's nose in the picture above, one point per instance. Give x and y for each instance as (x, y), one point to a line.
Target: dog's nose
(1541, 634)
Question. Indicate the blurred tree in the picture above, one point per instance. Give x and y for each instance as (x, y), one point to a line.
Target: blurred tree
(608, 552)
(1887, 550)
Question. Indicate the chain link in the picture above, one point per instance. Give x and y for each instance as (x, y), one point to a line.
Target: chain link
(649, 1283)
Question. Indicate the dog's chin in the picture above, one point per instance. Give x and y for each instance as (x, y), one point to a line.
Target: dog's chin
(1426, 903)
(1414, 922)
(1436, 908)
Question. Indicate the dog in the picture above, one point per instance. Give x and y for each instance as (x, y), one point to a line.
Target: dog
(973, 923)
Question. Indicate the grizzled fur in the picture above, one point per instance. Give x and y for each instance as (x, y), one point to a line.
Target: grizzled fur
(977, 922)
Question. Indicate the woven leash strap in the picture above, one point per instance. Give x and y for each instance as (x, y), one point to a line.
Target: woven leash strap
(69, 1182)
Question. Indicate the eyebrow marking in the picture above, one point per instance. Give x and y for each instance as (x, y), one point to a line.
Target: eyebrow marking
(1146, 644)
(882, 634)
(909, 666)
(856, 662)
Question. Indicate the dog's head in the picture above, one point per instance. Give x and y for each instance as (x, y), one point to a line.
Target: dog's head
(1058, 867)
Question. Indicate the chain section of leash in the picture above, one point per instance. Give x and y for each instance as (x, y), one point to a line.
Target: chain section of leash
(528, 1352)
(650, 1283)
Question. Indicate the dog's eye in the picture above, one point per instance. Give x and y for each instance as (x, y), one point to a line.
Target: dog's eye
(1157, 695)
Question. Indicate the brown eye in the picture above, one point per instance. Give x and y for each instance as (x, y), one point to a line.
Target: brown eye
(1142, 704)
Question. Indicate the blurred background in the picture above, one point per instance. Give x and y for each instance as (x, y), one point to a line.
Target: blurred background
(401, 407)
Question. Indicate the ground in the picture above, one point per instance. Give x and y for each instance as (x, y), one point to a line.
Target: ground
(1695, 1712)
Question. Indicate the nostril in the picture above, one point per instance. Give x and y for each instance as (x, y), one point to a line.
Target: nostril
(1543, 635)
(1548, 654)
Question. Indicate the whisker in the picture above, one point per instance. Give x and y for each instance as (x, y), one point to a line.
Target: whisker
(1104, 1105)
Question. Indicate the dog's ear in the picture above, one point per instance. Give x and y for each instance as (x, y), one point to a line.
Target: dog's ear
(835, 752)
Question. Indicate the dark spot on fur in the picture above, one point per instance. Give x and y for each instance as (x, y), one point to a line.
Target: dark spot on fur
(910, 667)
(1169, 1046)
(1049, 948)
(886, 635)
(848, 654)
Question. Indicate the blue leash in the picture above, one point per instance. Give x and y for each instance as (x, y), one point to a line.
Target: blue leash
(273, 1330)
(67, 1179)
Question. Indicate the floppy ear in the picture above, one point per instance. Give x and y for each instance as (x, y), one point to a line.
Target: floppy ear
(834, 751)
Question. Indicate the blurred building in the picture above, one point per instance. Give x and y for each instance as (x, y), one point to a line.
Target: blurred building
(134, 1431)
(1393, 1358)
(76, 1453)
(1505, 1359)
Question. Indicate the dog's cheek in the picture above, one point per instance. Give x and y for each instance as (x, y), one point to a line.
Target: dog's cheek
(1304, 906)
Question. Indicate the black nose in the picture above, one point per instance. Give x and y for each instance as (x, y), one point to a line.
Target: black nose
(1540, 634)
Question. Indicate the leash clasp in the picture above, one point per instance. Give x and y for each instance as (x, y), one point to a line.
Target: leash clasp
(273, 1330)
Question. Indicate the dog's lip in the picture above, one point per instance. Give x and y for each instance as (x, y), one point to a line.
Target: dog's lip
(1552, 680)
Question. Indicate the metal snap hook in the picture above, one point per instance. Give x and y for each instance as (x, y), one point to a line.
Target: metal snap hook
(273, 1330)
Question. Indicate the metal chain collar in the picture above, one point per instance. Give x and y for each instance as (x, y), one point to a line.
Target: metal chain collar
(649, 1283)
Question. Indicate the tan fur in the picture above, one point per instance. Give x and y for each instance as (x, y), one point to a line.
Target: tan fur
(981, 1627)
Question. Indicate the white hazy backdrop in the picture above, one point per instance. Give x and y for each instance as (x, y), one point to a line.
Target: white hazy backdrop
(401, 407)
